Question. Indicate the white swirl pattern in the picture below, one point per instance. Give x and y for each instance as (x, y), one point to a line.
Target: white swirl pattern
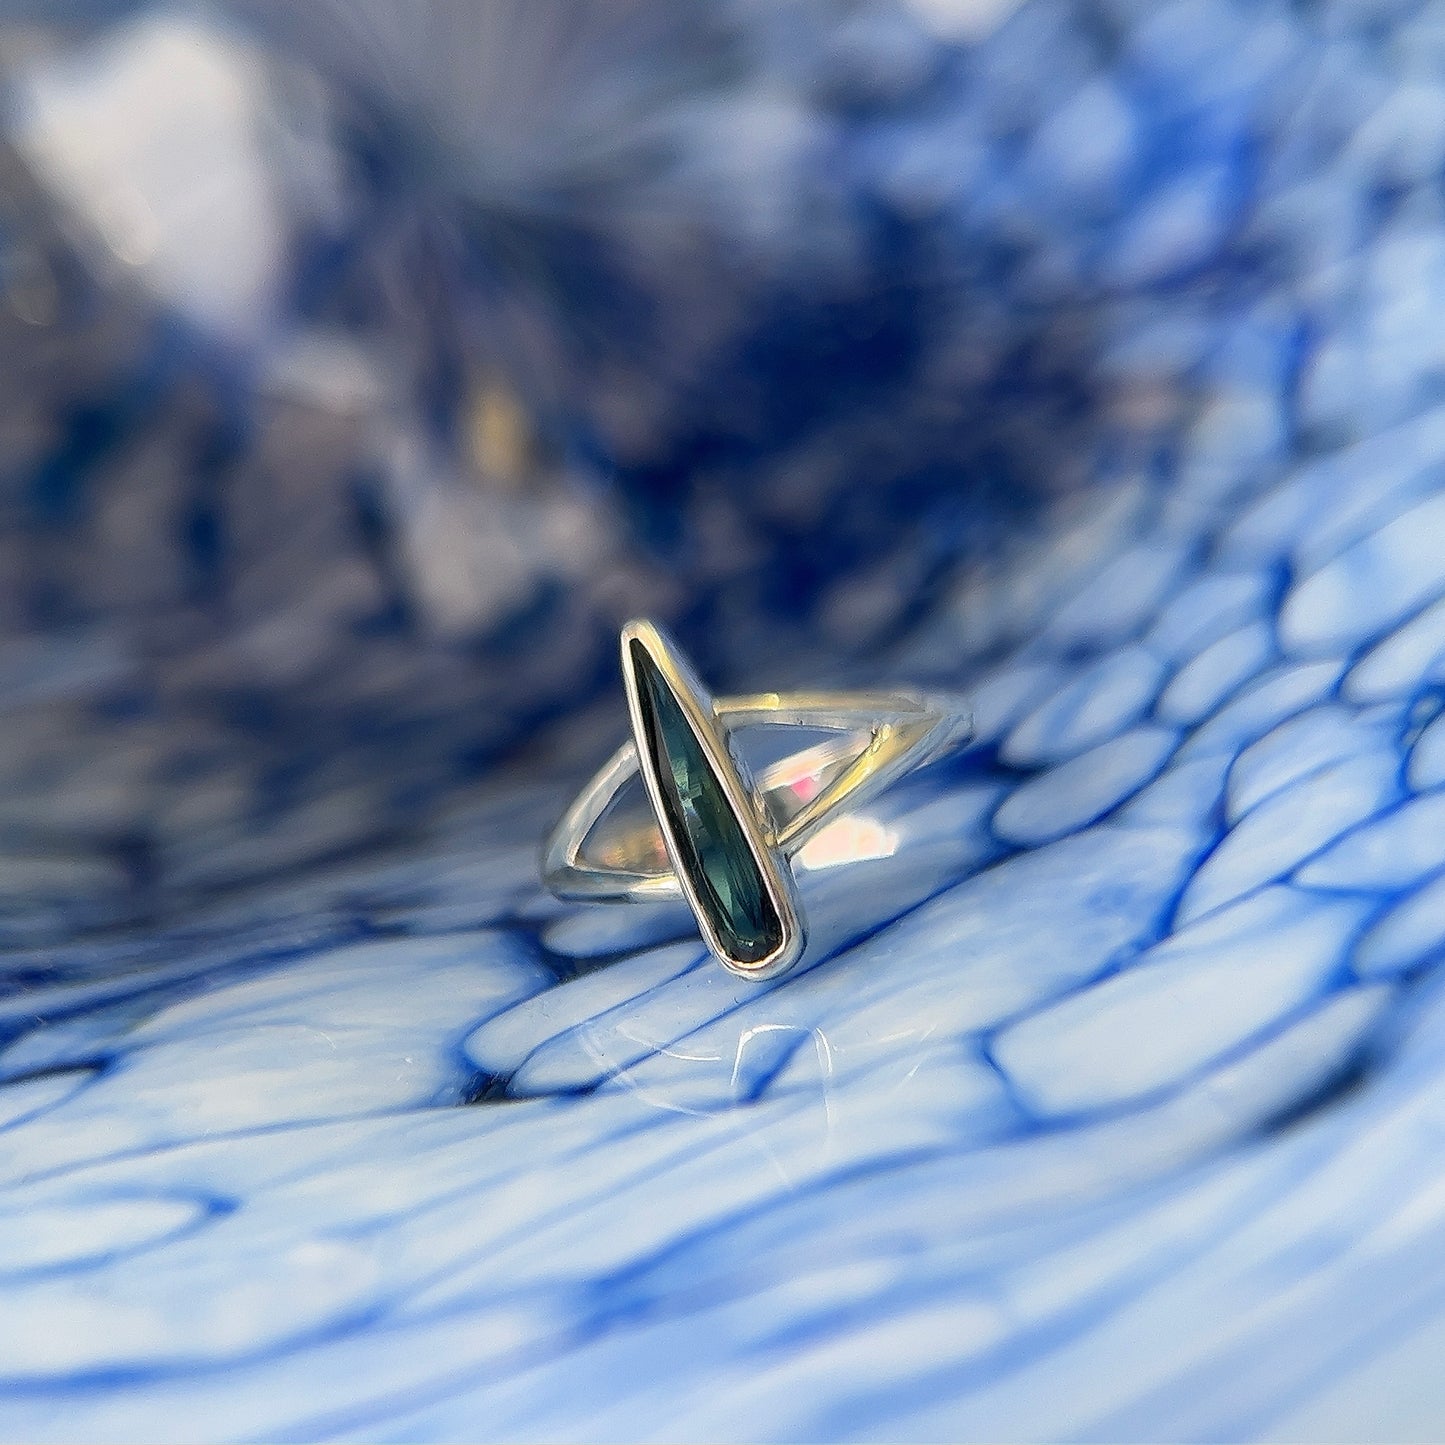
(1111, 1105)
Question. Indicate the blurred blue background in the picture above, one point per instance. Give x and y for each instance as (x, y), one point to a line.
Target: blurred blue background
(366, 364)
(378, 365)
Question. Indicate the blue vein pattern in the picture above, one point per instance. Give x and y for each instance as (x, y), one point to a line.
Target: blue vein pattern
(1089, 360)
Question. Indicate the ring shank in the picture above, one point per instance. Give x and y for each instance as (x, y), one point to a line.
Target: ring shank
(799, 795)
(784, 788)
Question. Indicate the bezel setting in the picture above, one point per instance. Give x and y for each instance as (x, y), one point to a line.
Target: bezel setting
(745, 812)
(705, 804)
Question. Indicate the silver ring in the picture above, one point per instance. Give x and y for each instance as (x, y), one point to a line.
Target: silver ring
(719, 836)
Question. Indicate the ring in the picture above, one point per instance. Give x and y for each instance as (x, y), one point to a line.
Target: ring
(720, 835)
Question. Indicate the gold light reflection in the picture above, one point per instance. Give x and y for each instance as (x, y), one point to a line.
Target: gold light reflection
(500, 431)
(638, 850)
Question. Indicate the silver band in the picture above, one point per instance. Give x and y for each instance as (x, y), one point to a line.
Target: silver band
(881, 736)
(610, 879)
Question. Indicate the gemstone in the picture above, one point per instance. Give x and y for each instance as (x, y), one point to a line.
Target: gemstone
(715, 850)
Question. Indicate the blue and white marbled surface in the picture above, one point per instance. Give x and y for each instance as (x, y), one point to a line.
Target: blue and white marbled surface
(1086, 357)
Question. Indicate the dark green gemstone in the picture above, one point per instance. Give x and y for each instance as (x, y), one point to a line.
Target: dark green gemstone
(715, 850)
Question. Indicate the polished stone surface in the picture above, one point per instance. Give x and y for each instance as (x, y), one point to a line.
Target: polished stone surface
(717, 855)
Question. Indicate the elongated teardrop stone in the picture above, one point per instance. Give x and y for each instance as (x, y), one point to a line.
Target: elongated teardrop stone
(715, 850)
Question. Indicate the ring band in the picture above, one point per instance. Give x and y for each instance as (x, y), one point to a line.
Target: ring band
(719, 836)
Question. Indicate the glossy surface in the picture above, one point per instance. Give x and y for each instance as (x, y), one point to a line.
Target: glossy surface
(716, 852)
(1111, 1108)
